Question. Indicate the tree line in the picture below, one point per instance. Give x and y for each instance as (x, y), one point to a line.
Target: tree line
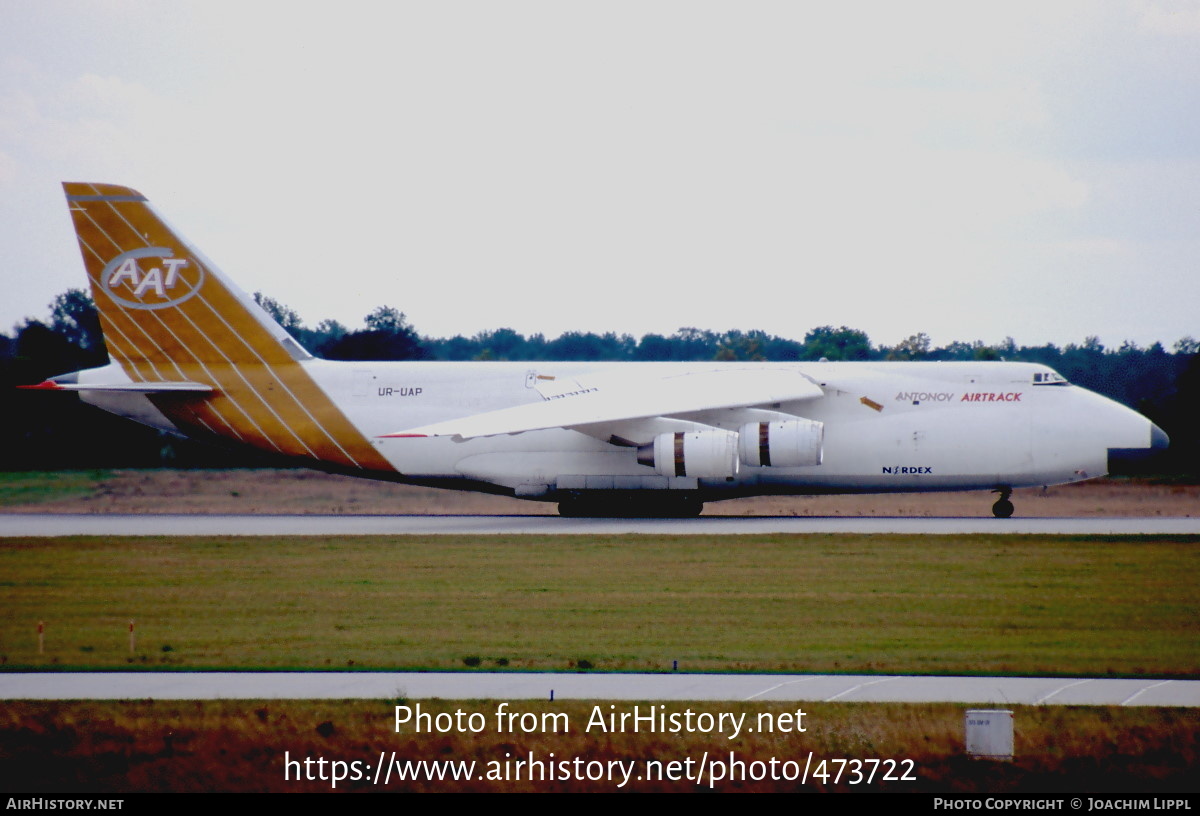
(51, 431)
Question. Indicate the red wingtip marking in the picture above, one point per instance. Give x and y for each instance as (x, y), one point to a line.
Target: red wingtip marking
(44, 385)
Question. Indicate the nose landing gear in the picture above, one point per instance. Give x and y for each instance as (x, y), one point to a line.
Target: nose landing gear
(1003, 508)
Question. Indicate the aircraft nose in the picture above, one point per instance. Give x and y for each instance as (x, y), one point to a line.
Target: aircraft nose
(1159, 441)
(1136, 461)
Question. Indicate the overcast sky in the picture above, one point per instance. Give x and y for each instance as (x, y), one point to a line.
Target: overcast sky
(971, 170)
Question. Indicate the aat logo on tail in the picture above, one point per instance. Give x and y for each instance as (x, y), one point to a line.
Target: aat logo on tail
(150, 278)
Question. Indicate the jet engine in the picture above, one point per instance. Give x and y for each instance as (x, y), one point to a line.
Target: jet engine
(704, 454)
(792, 443)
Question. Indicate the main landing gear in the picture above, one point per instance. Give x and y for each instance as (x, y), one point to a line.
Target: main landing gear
(653, 504)
(1003, 508)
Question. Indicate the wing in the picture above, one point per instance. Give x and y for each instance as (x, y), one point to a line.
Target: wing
(609, 398)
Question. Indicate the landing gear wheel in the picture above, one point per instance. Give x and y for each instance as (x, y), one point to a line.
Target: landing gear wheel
(684, 508)
(1003, 508)
(652, 506)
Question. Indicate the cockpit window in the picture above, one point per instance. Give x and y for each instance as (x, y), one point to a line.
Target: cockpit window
(1049, 378)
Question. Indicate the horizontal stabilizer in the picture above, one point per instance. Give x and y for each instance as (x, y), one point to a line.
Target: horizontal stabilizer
(615, 398)
(135, 388)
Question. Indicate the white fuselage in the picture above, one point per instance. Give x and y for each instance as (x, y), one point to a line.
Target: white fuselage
(889, 426)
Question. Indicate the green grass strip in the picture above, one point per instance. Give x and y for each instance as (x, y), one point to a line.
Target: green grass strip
(1090, 606)
(34, 487)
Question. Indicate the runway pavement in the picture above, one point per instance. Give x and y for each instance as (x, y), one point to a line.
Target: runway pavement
(12, 525)
(531, 686)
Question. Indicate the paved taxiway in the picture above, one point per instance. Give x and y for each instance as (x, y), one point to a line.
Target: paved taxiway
(525, 686)
(196, 525)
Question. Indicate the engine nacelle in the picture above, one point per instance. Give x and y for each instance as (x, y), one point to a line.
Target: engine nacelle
(702, 454)
(793, 443)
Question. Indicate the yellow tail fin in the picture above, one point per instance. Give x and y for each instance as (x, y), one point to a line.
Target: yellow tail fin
(169, 315)
(161, 301)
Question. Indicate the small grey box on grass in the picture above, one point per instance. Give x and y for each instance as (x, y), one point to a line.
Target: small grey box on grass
(989, 734)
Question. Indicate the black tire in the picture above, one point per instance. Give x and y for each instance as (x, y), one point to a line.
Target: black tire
(1003, 508)
(613, 507)
(680, 508)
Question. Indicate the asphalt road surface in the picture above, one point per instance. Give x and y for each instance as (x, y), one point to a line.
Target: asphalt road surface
(188, 525)
(539, 686)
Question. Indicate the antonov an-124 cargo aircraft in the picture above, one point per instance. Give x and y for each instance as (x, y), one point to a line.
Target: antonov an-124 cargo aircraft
(192, 354)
